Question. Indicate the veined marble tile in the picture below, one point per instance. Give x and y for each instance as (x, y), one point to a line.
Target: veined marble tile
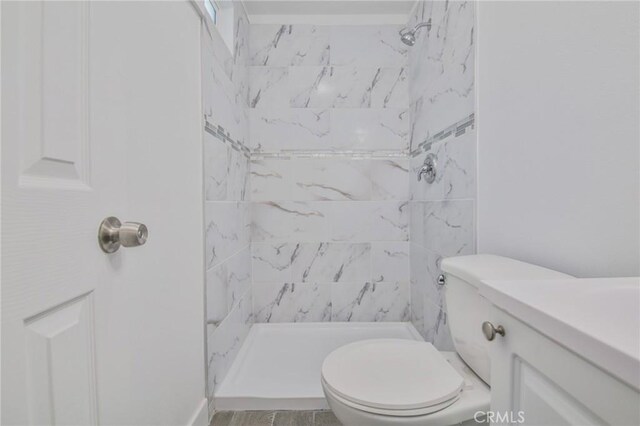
(425, 268)
(416, 217)
(331, 262)
(331, 179)
(240, 76)
(390, 179)
(217, 285)
(390, 261)
(449, 227)
(292, 302)
(238, 181)
(348, 87)
(271, 179)
(390, 221)
(225, 232)
(365, 221)
(350, 221)
(226, 283)
(269, 87)
(219, 94)
(277, 129)
(459, 169)
(370, 301)
(224, 341)
(418, 53)
(436, 325)
(444, 66)
(367, 45)
(417, 294)
(284, 45)
(282, 221)
(217, 163)
(272, 261)
(370, 129)
(238, 276)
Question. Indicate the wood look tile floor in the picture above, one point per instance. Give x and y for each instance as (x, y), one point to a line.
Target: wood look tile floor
(275, 418)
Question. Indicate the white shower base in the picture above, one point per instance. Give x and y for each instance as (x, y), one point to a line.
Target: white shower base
(278, 366)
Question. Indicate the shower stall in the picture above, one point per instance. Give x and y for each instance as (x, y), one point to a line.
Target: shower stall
(318, 231)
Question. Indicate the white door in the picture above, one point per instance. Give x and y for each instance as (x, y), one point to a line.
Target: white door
(100, 117)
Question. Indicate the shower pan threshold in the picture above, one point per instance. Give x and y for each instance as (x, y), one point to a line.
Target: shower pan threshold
(278, 366)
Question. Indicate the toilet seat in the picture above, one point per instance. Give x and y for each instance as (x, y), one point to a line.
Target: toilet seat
(392, 377)
(399, 413)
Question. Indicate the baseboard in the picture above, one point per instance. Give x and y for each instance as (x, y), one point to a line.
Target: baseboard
(201, 416)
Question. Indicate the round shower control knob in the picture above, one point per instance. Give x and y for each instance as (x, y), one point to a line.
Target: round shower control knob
(490, 331)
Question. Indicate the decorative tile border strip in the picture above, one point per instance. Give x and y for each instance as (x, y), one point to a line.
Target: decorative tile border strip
(225, 137)
(457, 129)
(454, 130)
(288, 154)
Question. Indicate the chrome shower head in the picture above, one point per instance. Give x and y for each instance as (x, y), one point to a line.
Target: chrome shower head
(408, 37)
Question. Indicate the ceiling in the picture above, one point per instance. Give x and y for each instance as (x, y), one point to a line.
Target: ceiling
(329, 11)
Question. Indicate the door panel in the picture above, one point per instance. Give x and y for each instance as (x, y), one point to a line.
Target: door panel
(52, 66)
(61, 364)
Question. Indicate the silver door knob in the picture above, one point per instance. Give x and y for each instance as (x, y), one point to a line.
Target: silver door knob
(113, 233)
(490, 331)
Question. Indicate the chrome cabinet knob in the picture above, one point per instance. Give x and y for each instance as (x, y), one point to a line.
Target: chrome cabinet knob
(490, 331)
(112, 234)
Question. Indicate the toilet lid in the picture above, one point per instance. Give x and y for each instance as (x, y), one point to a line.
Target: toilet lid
(392, 374)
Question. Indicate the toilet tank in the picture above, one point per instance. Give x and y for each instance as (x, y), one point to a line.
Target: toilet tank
(467, 310)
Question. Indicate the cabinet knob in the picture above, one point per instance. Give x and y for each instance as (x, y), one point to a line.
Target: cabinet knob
(490, 331)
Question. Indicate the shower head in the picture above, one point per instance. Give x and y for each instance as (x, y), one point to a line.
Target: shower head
(408, 37)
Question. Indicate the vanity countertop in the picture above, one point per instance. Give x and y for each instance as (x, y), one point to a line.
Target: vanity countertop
(597, 318)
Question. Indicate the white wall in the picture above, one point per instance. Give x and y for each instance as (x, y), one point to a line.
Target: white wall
(558, 135)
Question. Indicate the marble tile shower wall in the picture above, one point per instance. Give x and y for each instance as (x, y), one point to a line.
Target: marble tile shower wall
(329, 129)
(442, 214)
(226, 184)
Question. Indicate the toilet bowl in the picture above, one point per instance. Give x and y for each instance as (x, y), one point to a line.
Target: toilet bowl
(401, 382)
(406, 382)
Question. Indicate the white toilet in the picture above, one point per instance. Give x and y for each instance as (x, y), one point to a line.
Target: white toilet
(407, 382)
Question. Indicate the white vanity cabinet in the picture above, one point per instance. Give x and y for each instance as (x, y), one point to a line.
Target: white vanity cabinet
(536, 381)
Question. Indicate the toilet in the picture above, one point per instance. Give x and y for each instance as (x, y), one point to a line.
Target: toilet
(407, 382)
